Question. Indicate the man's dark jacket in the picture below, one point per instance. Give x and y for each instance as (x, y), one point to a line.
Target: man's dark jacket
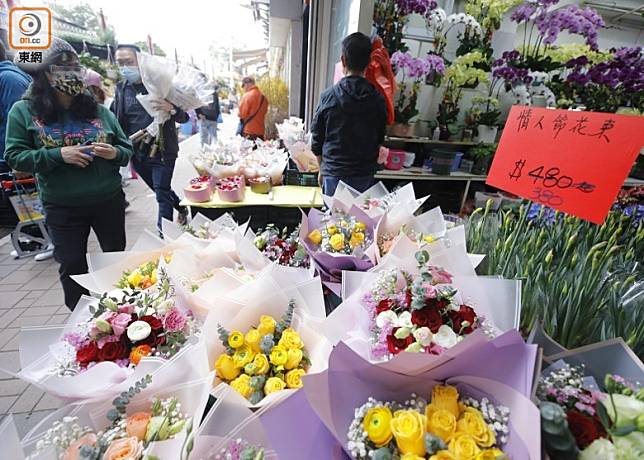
(212, 110)
(349, 127)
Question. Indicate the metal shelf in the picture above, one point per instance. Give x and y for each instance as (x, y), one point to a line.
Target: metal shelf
(427, 140)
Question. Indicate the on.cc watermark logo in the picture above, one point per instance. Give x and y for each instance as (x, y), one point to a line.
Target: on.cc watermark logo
(30, 28)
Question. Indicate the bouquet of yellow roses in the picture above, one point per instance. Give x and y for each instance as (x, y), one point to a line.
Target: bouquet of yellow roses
(267, 358)
(263, 337)
(450, 426)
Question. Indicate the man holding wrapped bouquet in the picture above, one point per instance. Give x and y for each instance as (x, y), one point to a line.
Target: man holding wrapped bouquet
(154, 164)
(349, 123)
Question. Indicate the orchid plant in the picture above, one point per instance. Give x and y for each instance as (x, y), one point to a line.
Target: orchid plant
(391, 16)
(549, 23)
(463, 72)
(439, 25)
(413, 71)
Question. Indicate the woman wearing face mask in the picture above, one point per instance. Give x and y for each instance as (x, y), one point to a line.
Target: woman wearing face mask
(75, 147)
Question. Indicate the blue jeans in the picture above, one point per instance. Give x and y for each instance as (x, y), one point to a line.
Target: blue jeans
(158, 176)
(208, 131)
(360, 183)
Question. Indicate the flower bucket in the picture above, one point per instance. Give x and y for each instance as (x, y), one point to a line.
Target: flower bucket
(401, 130)
(486, 134)
(442, 161)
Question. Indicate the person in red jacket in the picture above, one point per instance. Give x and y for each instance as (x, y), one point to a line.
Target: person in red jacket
(252, 111)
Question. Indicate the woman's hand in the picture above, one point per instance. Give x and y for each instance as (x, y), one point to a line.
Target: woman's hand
(73, 155)
(105, 151)
(162, 105)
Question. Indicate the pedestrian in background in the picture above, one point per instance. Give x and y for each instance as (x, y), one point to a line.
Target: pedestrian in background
(208, 119)
(252, 111)
(155, 171)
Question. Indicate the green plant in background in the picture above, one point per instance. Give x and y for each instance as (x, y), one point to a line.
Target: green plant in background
(482, 151)
(276, 91)
(94, 63)
(583, 281)
(485, 111)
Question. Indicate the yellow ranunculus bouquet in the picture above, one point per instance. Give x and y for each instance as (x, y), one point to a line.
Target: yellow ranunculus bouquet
(143, 276)
(450, 427)
(267, 358)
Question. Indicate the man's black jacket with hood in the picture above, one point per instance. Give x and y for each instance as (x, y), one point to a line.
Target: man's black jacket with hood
(348, 128)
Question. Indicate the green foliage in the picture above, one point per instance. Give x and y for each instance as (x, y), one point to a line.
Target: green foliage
(582, 280)
(482, 151)
(92, 62)
(158, 51)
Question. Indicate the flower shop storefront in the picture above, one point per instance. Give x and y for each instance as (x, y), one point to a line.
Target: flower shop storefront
(460, 66)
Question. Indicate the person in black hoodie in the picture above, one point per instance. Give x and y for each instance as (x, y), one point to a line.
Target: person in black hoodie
(349, 123)
(208, 119)
(155, 171)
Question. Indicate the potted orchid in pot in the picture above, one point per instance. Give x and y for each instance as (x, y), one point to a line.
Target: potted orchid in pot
(412, 71)
(462, 73)
(485, 113)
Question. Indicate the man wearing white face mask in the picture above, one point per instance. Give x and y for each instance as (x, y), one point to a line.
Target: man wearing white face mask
(155, 170)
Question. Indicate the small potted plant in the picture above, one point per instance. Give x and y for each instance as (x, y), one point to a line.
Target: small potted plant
(413, 71)
(482, 155)
(485, 111)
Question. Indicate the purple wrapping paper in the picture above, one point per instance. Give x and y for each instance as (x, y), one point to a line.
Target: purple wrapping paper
(331, 266)
(502, 370)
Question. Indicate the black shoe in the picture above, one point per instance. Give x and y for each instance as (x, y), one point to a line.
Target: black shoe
(182, 216)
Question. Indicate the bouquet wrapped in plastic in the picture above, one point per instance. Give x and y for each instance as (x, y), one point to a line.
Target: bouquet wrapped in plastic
(136, 269)
(338, 240)
(424, 305)
(262, 338)
(473, 405)
(298, 143)
(591, 401)
(140, 423)
(109, 343)
(202, 231)
(376, 201)
(231, 431)
(182, 86)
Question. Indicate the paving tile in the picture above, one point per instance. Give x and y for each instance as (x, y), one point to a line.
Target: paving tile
(9, 360)
(6, 335)
(6, 287)
(12, 387)
(26, 321)
(41, 282)
(41, 311)
(5, 270)
(59, 319)
(34, 294)
(48, 402)
(13, 344)
(10, 315)
(27, 401)
(63, 309)
(6, 402)
(50, 297)
(25, 422)
(9, 299)
(25, 303)
(19, 276)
